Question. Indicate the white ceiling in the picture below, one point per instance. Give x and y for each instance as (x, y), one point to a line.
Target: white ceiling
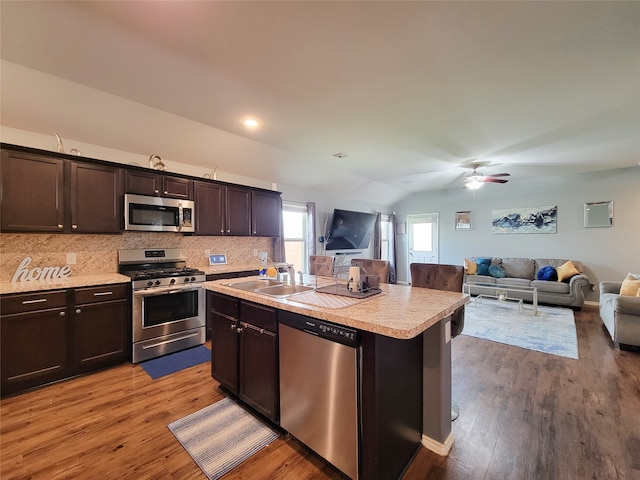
(410, 91)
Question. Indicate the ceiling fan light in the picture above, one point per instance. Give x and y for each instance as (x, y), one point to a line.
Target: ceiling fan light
(473, 184)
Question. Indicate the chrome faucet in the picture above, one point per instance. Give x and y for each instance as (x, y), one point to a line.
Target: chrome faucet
(290, 270)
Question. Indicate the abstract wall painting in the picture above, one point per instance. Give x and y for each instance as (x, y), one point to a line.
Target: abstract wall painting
(525, 220)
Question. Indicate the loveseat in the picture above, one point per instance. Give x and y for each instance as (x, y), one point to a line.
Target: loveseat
(620, 314)
(518, 271)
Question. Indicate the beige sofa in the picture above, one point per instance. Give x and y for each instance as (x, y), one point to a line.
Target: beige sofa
(520, 271)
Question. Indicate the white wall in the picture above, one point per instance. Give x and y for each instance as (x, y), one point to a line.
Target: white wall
(607, 253)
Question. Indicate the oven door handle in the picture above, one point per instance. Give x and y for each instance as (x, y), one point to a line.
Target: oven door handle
(164, 291)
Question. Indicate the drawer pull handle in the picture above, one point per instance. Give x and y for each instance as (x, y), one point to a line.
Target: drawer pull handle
(78, 310)
(40, 300)
(62, 314)
(100, 294)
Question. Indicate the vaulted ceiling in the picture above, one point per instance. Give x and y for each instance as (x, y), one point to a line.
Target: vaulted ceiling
(410, 92)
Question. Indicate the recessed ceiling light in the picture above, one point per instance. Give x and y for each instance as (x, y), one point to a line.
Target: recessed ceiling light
(250, 122)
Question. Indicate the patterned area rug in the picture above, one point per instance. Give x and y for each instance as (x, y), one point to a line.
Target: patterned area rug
(221, 436)
(552, 330)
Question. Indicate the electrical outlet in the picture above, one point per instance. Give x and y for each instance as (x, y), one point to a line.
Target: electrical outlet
(71, 259)
(207, 253)
(263, 255)
(255, 252)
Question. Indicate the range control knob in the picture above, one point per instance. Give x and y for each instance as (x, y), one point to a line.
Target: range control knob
(172, 281)
(157, 282)
(186, 279)
(193, 279)
(149, 283)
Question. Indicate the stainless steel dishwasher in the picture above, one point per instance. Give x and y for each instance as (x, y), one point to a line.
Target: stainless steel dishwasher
(319, 388)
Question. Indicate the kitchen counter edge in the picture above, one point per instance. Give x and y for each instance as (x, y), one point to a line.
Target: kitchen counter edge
(76, 281)
(401, 312)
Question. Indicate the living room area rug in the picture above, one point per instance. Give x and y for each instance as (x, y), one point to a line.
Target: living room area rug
(552, 330)
(222, 436)
(174, 362)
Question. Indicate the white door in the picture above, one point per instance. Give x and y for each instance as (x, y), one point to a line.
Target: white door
(423, 238)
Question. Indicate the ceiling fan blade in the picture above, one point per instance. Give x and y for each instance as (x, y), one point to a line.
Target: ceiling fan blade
(499, 175)
(494, 180)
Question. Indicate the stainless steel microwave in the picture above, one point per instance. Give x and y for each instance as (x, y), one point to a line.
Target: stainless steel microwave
(158, 214)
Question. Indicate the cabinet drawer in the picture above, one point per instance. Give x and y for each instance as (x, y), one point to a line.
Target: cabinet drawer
(29, 302)
(103, 293)
(223, 304)
(258, 315)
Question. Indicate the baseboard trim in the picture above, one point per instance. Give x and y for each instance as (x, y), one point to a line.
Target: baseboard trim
(437, 447)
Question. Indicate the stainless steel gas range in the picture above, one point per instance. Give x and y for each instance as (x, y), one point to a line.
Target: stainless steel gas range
(168, 301)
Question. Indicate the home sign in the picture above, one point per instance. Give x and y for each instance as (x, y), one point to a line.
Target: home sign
(23, 274)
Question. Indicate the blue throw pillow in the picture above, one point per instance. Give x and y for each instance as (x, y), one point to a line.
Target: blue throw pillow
(497, 271)
(483, 266)
(548, 273)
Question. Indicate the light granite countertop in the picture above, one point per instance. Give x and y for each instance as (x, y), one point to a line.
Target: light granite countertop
(68, 282)
(400, 311)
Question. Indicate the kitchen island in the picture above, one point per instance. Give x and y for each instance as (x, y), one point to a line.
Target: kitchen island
(404, 376)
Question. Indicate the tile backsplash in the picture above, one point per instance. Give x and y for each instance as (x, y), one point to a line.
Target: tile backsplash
(99, 253)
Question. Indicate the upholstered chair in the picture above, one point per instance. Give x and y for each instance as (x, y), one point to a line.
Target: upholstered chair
(373, 267)
(442, 277)
(321, 265)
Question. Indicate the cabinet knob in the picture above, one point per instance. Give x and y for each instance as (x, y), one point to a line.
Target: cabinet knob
(233, 327)
(239, 329)
(78, 310)
(166, 192)
(74, 227)
(156, 191)
(60, 225)
(62, 314)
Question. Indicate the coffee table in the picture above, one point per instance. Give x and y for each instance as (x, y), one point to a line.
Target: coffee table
(501, 293)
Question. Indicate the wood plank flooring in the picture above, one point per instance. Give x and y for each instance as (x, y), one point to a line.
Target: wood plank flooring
(524, 415)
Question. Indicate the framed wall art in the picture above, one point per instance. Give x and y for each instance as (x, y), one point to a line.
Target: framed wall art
(463, 220)
(525, 220)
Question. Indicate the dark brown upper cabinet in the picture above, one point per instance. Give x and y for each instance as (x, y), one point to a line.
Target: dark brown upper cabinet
(266, 210)
(222, 209)
(43, 194)
(158, 185)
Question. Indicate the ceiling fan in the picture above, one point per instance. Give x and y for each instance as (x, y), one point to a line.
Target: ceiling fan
(476, 179)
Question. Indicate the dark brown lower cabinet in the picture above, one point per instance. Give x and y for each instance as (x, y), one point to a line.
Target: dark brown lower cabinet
(244, 351)
(52, 335)
(102, 338)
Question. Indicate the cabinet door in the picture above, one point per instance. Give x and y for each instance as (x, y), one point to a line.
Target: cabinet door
(238, 211)
(35, 349)
(222, 315)
(102, 326)
(259, 370)
(266, 213)
(32, 193)
(143, 183)
(224, 350)
(96, 198)
(176, 187)
(210, 205)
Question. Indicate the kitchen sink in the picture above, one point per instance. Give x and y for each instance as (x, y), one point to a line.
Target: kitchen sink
(255, 284)
(284, 290)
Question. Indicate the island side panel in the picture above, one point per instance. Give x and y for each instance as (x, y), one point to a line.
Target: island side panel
(436, 422)
(391, 404)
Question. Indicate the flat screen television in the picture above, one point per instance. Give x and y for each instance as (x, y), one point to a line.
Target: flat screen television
(350, 230)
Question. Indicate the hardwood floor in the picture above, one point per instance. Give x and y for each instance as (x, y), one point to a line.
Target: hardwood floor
(524, 415)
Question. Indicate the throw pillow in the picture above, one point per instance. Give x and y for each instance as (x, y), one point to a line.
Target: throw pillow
(483, 266)
(547, 273)
(470, 267)
(497, 271)
(630, 285)
(566, 271)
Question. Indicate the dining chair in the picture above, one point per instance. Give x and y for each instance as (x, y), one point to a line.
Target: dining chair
(442, 277)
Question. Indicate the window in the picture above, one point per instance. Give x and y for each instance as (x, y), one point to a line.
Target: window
(294, 220)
